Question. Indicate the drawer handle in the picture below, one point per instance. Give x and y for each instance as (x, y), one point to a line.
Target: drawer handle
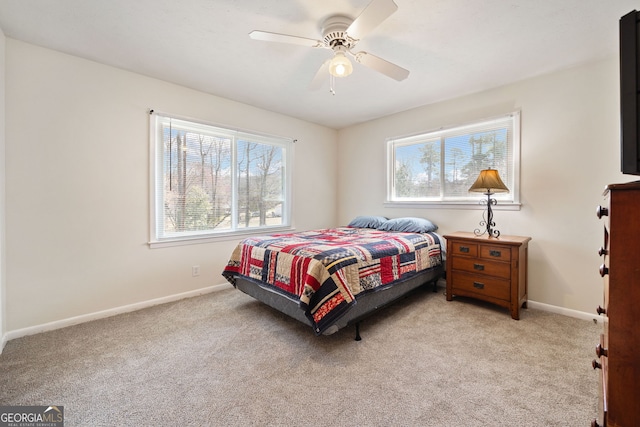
(595, 364)
(602, 251)
(604, 270)
(478, 285)
(495, 253)
(464, 249)
(601, 351)
(600, 310)
(478, 267)
(601, 211)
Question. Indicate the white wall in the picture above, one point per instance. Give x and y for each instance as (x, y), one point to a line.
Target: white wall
(3, 269)
(77, 207)
(569, 152)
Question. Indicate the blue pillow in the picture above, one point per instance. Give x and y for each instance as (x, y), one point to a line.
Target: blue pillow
(408, 225)
(367, 221)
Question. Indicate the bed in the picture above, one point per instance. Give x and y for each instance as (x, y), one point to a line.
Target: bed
(332, 278)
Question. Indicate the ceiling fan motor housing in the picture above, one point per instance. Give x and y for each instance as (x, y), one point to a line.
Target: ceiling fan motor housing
(334, 32)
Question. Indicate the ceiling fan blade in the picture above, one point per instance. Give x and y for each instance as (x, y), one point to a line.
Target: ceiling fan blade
(321, 76)
(376, 12)
(284, 38)
(380, 65)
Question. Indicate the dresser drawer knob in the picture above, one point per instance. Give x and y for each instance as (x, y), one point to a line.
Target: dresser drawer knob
(600, 212)
(595, 364)
(464, 249)
(604, 270)
(594, 423)
(601, 351)
(601, 310)
(602, 251)
(479, 267)
(495, 253)
(478, 285)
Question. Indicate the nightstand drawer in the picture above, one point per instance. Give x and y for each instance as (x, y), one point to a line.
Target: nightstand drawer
(464, 248)
(488, 286)
(482, 266)
(495, 252)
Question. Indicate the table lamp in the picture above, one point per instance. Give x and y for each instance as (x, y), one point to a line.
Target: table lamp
(488, 183)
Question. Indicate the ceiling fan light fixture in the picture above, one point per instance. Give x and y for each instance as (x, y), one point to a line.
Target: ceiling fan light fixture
(340, 65)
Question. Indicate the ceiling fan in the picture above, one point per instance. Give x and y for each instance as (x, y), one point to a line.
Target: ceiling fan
(341, 34)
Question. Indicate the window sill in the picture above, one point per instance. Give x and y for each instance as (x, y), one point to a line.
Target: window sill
(213, 238)
(501, 206)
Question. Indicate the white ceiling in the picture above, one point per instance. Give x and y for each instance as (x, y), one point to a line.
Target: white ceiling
(451, 47)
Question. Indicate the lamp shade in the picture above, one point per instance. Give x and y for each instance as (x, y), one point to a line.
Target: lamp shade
(340, 65)
(489, 182)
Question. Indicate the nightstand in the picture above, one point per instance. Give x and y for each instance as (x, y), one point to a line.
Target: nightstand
(488, 268)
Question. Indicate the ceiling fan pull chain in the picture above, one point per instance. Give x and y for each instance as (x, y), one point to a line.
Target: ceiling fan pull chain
(332, 83)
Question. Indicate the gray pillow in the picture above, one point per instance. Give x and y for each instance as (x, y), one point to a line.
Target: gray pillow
(408, 225)
(367, 221)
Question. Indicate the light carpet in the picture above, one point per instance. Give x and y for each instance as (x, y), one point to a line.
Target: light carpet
(224, 359)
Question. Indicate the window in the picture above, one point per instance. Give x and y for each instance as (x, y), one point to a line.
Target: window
(209, 181)
(439, 167)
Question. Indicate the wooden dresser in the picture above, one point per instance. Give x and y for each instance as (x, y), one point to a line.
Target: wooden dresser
(618, 353)
(488, 268)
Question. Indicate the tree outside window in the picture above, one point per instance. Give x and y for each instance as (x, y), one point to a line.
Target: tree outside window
(211, 180)
(440, 166)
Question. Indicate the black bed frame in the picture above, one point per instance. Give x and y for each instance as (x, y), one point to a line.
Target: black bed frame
(367, 303)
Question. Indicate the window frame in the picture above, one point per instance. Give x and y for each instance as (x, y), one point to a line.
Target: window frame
(506, 201)
(156, 181)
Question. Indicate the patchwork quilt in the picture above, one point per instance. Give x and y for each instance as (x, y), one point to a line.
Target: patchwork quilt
(326, 269)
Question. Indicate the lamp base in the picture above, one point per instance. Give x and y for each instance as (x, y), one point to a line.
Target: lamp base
(487, 221)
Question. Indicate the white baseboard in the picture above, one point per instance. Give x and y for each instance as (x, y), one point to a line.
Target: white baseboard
(3, 341)
(564, 311)
(550, 308)
(106, 313)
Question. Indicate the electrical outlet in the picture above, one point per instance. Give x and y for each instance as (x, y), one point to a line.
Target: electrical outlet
(195, 271)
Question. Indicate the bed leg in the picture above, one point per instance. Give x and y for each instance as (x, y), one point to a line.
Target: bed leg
(358, 337)
(435, 286)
